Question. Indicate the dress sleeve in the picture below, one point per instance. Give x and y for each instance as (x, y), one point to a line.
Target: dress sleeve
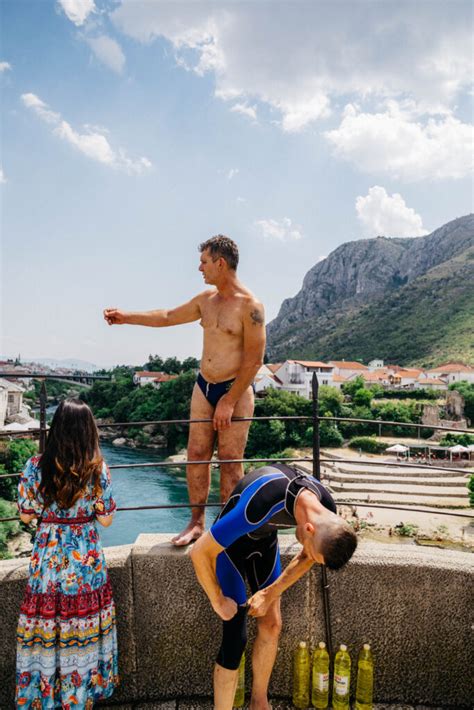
(29, 500)
(105, 505)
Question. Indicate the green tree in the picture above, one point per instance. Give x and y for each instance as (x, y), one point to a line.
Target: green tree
(362, 397)
(350, 388)
(7, 530)
(154, 364)
(466, 389)
(172, 366)
(12, 458)
(190, 363)
(330, 400)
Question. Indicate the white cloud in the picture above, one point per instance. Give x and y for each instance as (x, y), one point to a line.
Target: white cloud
(232, 173)
(283, 230)
(107, 51)
(77, 10)
(391, 144)
(5, 66)
(301, 63)
(93, 143)
(387, 215)
(3, 179)
(245, 110)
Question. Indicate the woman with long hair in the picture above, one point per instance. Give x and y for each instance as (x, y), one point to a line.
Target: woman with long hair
(66, 638)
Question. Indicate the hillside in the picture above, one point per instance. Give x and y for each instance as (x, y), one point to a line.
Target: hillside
(409, 301)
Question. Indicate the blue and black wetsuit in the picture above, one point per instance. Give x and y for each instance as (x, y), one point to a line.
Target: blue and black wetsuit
(262, 503)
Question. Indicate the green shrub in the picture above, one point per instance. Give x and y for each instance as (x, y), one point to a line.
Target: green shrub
(453, 439)
(7, 530)
(406, 529)
(470, 486)
(368, 444)
(13, 457)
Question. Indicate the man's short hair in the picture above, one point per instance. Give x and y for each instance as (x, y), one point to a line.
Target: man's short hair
(338, 544)
(222, 246)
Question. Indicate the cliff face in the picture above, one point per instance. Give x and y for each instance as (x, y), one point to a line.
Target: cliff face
(359, 279)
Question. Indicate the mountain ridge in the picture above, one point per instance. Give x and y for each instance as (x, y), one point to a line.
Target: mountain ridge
(343, 307)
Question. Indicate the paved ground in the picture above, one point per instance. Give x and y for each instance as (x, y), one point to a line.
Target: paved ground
(202, 704)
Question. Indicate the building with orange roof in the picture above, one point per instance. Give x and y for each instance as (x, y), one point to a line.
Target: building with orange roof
(453, 372)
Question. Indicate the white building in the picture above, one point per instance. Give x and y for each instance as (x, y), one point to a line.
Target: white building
(3, 404)
(296, 376)
(453, 372)
(265, 382)
(430, 383)
(156, 379)
(347, 368)
(375, 364)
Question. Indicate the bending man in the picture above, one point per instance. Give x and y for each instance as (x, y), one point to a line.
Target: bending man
(234, 342)
(243, 544)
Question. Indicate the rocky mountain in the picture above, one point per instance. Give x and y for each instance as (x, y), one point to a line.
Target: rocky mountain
(407, 300)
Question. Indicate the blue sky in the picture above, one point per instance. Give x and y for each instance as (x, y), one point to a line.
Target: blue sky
(132, 131)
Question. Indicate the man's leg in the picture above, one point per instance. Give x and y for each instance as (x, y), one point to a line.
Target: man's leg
(264, 654)
(231, 445)
(230, 573)
(200, 448)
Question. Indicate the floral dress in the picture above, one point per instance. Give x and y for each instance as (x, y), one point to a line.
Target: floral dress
(66, 637)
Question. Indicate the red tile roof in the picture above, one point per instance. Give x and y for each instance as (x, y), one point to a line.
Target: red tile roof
(348, 365)
(312, 363)
(453, 367)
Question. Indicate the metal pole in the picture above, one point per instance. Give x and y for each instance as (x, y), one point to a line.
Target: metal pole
(317, 474)
(43, 401)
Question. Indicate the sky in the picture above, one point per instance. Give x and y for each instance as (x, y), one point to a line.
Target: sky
(132, 131)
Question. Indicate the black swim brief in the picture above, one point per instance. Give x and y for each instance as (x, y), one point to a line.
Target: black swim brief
(213, 391)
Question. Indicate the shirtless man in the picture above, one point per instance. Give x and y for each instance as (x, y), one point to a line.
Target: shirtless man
(234, 342)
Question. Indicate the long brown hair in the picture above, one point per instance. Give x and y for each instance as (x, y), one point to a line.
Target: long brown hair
(72, 458)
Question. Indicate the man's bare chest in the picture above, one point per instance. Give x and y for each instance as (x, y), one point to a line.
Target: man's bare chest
(222, 318)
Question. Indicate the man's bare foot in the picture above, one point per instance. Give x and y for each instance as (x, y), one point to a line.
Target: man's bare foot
(190, 533)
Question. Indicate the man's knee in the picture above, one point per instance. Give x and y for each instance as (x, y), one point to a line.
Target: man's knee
(269, 626)
(230, 451)
(199, 451)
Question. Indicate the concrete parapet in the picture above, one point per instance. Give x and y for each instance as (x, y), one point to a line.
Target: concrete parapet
(413, 605)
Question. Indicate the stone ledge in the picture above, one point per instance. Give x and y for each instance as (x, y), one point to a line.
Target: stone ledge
(391, 595)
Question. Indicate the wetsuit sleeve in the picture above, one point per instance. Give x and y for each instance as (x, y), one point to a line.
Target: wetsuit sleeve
(253, 509)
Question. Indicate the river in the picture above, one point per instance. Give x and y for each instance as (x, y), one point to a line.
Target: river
(147, 486)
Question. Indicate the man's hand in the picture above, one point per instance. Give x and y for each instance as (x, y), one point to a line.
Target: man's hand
(259, 603)
(225, 607)
(223, 414)
(114, 316)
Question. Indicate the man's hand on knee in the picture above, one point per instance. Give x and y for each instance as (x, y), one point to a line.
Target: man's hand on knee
(260, 602)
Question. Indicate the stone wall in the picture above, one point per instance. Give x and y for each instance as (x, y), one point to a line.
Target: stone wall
(413, 605)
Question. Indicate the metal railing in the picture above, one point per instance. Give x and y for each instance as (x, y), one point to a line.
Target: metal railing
(315, 459)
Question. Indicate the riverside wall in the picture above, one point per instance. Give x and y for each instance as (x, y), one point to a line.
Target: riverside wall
(414, 606)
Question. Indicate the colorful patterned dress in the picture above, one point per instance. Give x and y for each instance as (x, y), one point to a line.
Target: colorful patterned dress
(66, 638)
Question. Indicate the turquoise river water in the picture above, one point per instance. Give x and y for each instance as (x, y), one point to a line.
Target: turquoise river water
(147, 486)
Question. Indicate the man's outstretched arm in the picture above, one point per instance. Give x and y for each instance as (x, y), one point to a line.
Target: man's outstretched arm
(160, 318)
(203, 555)
(299, 565)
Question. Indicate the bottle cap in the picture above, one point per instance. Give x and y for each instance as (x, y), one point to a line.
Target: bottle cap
(302, 644)
(321, 644)
(343, 647)
(366, 646)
